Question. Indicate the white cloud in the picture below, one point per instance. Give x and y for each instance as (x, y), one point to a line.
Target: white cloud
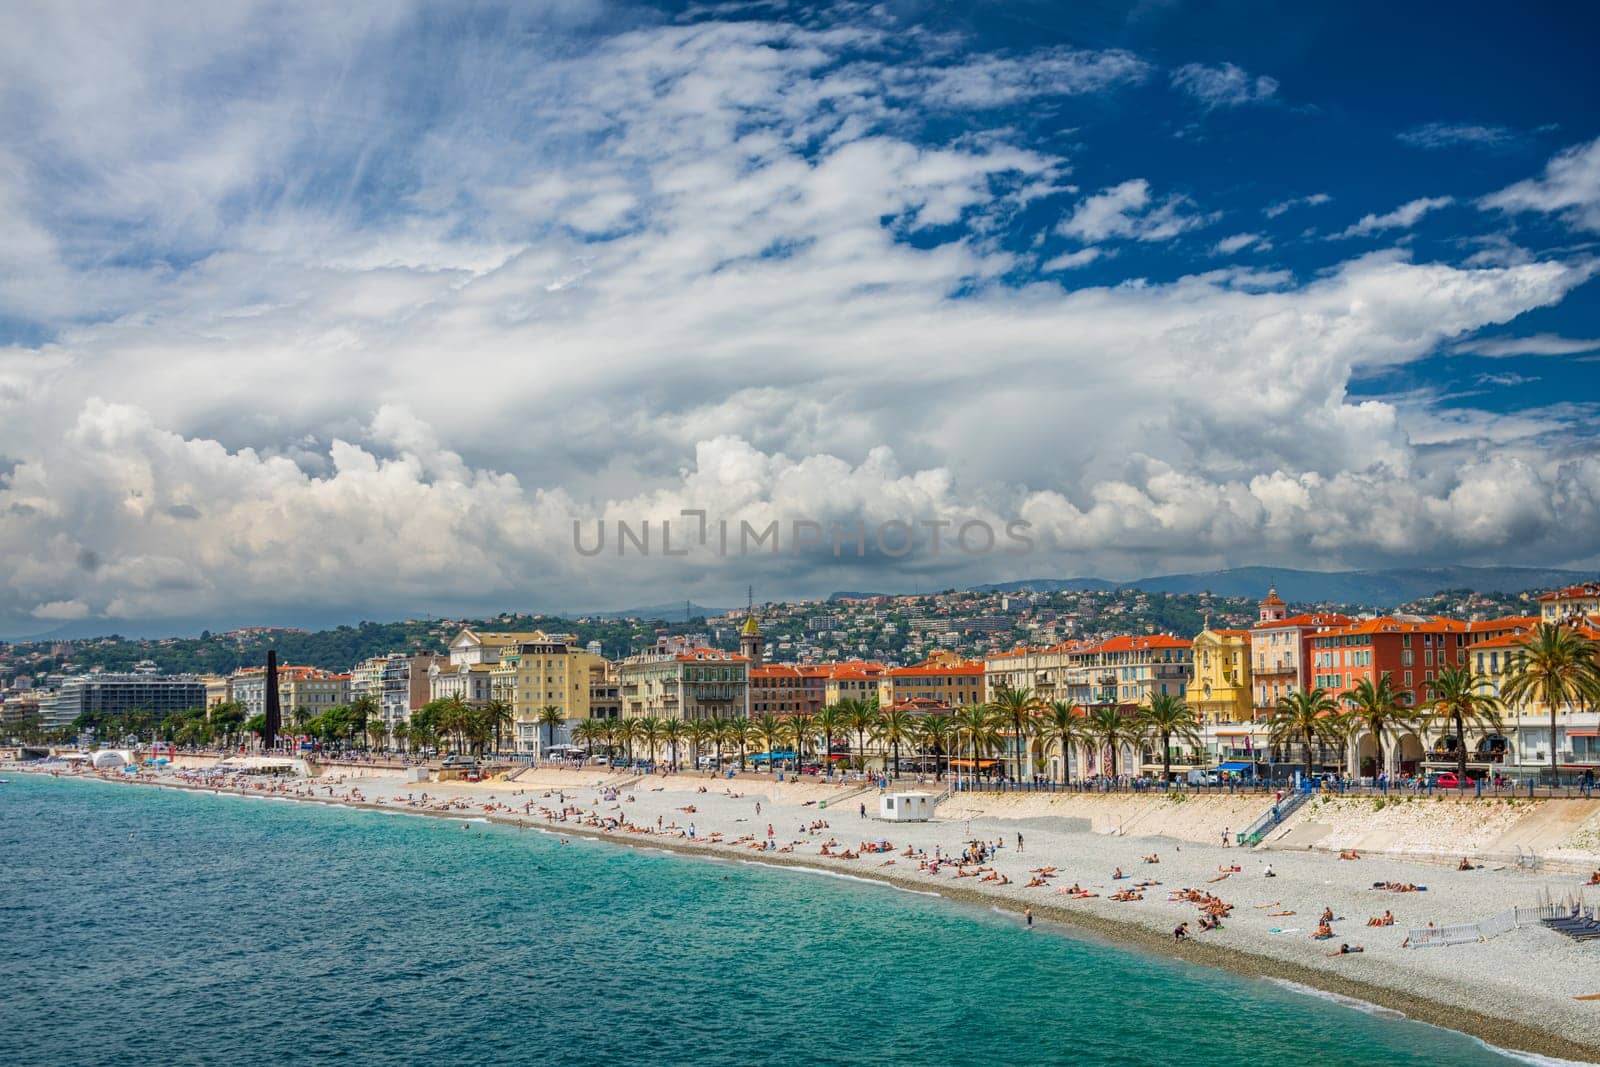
(1239, 242)
(707, 265)
(1223, 86)
(1072, 260)
(1452, 134)
(1539, 344)
(1128, 210)
(1272, 211)
(1570, 187)
(1403, 217)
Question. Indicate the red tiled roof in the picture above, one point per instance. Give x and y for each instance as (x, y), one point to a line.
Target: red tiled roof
(1129, 643)
(1323, 618)
(1571, 592)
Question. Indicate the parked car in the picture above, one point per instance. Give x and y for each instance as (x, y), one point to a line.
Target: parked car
(1448, 780)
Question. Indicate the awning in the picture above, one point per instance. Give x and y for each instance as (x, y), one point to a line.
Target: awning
(1583, 733)
(762, 757)
(968, 763)
(1236, 766)
(1234, 733)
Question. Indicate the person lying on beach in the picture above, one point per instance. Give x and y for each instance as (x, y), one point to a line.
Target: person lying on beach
(1233, 869)
(1349, 854)
(1386, 919)
(1279, 914)
(1219, 878)
(1346, 950)
(1324, 932)
(1399, 887)
(1152, 858)
(1210, 922)
(1146, 884)
(1125, 895)
(1035, 881)
(1594, 879)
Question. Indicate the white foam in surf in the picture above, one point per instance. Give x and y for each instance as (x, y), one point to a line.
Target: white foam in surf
(843, 877)
(1364, 1006)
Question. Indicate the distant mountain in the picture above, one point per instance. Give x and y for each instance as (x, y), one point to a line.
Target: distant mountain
(664, 612)
(1051, 585)
(1373, 588)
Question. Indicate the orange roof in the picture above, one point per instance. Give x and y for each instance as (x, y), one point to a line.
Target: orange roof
(1571, 592)
(1320, 618)
(1509, 622)
(856, 669)
(1387, 625)
(1516, 638)
(923, 670)
(711, 654)
(1273, 599)
(1129, 643)
(1231, 633)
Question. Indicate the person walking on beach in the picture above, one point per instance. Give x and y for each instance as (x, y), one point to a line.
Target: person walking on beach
(1019, 844)
(863, 811)
(1224, 837)
(1027, 913)
(758, 807)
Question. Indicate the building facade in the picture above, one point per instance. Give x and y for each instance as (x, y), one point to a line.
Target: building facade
(118, 694)
(944, 678)
(677, 680)
(1219, 690)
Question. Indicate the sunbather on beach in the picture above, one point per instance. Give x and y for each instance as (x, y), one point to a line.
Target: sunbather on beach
(1347, 950)
(1324, 932)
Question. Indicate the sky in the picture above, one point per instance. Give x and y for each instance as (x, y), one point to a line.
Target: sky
(380, 309)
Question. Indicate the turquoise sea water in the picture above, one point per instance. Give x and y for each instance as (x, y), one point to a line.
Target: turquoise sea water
(156, 926)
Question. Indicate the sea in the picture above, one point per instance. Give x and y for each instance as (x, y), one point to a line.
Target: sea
(157, 926)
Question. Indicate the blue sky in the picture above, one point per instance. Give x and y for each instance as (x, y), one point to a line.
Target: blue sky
(307, 311)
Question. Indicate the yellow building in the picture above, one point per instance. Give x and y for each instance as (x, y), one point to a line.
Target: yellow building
(943, 677)
(853, 680)
(1575, 603)
(1219, 690)
(544, 670)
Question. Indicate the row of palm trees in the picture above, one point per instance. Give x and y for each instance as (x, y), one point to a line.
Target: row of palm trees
(1556, 665)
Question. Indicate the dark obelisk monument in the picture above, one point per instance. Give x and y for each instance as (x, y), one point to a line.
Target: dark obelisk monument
(269, 736)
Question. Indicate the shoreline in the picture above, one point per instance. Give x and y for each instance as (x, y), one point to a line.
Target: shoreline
(1500, 1032)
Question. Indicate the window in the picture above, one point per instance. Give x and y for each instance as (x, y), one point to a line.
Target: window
(1408, 678)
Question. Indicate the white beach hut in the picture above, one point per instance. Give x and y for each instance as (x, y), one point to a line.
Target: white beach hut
(905, 807)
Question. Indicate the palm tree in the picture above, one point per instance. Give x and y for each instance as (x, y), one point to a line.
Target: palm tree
(587, 732)
(551, 719)
(495, 717)
(650, 734)
(933, 734)
(1377, 706)
(1457, 700)
(1166, 717)
(1307, 717)
(799, 727)
(1068, 726)
(770, 729)
(828, 724)
(1017, 707)
(1108, 726)
(626, 733)
(698, 731)
(977, 727)
(362, 710)
(377, 732)
(860, 718)
(673, 732)
(739, 731)
(894, 726)
(1555, 665)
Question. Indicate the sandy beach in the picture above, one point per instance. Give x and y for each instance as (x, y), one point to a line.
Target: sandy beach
(1515, 991)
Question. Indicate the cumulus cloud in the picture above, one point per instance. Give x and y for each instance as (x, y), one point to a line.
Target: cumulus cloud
(1569, 188)
(385, 355)
(1401, 218)
(1223, 86)
(1128, 210)
(1452, 134)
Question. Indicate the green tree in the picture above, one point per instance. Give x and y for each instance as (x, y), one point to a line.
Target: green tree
(896, 725)
(1018, 708)
(1167, 717)
(977, 730)
(770, 729)
(739, 731)
(551, 719)
(1109, 727)
(1456, 699)
(933, 733)
(650, 734)
(1306, 718)
(1377, 706)
(377, 732)
(828, 725)
(860, 719)
(363, 709)
(1069, 728)
(1554, 666)
(799, 728)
